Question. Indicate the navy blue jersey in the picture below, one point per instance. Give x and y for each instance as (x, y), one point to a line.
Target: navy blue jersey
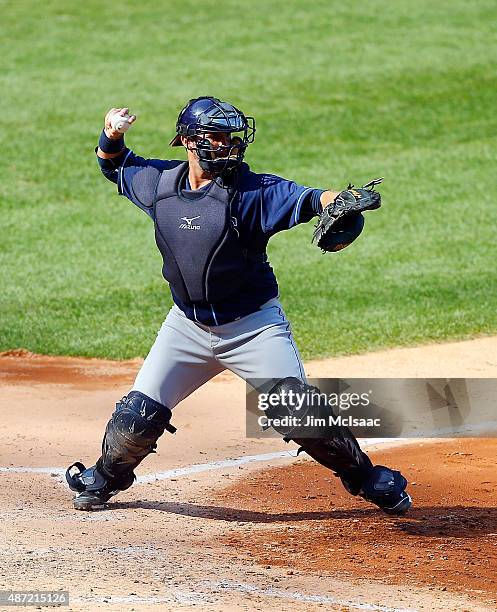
(265, 204)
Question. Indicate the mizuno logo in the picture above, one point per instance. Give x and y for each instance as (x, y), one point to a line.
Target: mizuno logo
(188, 223)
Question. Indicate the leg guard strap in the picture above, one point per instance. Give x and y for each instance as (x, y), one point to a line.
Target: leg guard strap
(130, 435)
(79, 478)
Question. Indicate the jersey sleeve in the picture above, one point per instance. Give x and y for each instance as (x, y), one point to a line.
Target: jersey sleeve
(285, 204)
(136, 177)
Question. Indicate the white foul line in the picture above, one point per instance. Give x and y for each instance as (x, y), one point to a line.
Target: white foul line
(198, 467)
(164, 475)
(201, 596)
(33, 470)
(213, 465)
(241, 587)
(227, 463)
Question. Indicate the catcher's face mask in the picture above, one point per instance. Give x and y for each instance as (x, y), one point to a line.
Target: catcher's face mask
(217, 131)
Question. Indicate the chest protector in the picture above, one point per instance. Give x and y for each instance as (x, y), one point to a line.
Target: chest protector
(203, 258)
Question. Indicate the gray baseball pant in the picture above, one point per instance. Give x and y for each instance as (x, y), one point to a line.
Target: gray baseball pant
(186, 354)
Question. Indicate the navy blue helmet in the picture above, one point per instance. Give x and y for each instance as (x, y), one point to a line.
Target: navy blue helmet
(207, 115)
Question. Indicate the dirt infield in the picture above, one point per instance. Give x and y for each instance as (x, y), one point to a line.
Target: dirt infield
(263, 532)
(448, 541)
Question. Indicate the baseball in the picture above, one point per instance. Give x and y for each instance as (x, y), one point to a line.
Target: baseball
(120, 123)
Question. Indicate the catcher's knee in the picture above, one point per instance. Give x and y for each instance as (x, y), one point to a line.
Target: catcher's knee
(133, 431)
(292, 404)
(333, 446)
(130, 435)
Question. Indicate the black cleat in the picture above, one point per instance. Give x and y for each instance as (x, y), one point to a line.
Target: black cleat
(88, 500)
(386, 489)
(399, 508)
(93, 488)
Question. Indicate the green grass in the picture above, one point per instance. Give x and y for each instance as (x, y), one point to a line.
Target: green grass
(341, 91)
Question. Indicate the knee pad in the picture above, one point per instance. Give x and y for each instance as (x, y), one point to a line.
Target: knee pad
(289, 415)
(132, 433)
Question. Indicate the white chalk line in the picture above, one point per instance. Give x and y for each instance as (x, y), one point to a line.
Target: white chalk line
(241, 587)
(222, 586)
(32, 470)
(213, 465)
(166, 474)
(228, 463)
(197, 468)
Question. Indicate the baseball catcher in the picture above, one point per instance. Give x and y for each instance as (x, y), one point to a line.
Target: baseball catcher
(212, 218)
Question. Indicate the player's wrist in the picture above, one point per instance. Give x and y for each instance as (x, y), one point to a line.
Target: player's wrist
(112, 134)
(109, 144)
(327, 197)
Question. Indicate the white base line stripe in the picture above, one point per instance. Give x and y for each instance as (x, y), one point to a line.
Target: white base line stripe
(227, 463)
(197, 467)
(231, 585)
(213, 465)
(33, 470)
(207, 587)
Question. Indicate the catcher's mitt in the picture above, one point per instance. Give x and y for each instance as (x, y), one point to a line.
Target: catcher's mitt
(343, 214)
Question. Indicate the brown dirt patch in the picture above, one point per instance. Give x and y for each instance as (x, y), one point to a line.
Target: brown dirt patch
(265, 542)
(449, 539)
(20, 367)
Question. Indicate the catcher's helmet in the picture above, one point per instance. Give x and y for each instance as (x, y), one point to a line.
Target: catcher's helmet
(206, 115)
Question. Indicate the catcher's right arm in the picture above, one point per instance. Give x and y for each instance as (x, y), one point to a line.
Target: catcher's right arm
(341, 221)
